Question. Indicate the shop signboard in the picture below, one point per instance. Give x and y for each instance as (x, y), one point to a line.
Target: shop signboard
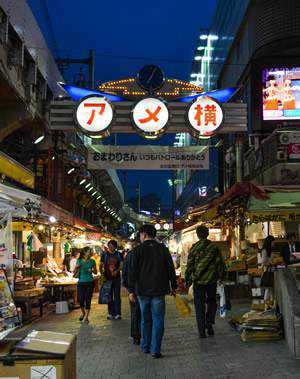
(147, 157)
(205, 116)
(94, 115)
(294, 151)
(150, 116)
(281, 94)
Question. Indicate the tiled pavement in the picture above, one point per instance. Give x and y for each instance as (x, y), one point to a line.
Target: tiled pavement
(105, 351)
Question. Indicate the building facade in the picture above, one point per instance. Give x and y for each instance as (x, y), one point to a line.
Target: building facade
(254, 45)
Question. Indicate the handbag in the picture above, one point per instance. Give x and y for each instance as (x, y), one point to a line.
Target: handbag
(267, 279)
(105, 296)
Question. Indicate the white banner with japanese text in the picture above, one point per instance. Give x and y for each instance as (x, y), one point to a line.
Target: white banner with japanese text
(103, 157)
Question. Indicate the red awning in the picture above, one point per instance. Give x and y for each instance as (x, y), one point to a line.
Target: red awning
(80, 224)
(243, 189)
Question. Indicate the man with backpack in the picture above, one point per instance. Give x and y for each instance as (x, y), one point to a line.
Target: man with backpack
(205, 267)
(151, 276)
(111, 262)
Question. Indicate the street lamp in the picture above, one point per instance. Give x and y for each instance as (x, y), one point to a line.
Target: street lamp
(71, 170)
(39, 139)
(52, 219)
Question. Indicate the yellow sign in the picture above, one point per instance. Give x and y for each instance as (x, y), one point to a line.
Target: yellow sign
(19, 226)
(14, 170)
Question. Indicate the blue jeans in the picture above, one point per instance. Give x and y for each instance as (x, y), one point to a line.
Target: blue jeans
(114, 307)
(153, 322)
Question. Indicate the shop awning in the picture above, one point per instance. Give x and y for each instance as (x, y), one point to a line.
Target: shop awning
(276, 201)
(281, 205)
(13, 200)
(14, 170)
(81, 224)
(61, 215)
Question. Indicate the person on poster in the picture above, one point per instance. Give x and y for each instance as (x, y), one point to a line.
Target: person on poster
(111, 262)
(205, 267)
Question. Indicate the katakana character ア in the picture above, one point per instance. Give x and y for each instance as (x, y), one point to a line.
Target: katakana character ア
(210, 115)
(151, 115)
(94, 105)
(198, 115)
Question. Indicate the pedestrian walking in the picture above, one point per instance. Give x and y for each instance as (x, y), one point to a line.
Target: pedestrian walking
(111, 262)
(268, 276)
(151, 276)
(135, 310)
(205, 267)
(84, 269)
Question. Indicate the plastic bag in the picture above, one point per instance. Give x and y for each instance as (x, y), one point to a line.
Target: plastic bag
(182, 306)
(221, 292)
(191, 293)
(105, 293)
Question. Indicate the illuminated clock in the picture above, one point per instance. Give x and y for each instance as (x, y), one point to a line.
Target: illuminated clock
(151, 78)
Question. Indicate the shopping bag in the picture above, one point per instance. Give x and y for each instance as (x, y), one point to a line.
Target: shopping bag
(191, 293)
(267, 279)
(221, 292)
(105, 293)
(182, 306)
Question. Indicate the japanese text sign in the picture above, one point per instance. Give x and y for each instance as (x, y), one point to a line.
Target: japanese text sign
(205, 116)
(150, 116)
(148, 157)
(94, 115)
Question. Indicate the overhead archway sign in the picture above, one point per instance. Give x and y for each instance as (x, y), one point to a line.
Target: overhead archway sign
(149, 105)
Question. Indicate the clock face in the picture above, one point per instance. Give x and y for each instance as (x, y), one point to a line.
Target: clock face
(151, 78)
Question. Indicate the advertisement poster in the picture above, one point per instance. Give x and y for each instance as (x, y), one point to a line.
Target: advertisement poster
(281, 94)
(148, 158)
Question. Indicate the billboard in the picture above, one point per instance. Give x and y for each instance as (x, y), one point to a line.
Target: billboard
(281, 94)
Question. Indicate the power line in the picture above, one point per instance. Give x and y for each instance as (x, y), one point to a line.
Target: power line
(144, 58)
(46, 12)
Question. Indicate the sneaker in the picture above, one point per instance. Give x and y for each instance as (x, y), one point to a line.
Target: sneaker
(118, 317)
(110, 317)
(157, 355)
(210, 331)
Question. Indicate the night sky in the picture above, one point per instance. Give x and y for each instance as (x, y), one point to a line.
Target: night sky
(125, 36)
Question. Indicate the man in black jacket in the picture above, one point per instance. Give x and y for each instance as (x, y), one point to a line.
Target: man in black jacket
(150, 274)
(293, 246)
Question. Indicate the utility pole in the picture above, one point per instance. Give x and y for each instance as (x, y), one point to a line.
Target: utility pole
(90, 62)
(138, 191)
(174, 175)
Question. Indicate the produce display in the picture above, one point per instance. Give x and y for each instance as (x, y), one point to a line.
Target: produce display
(235, 264)
(8, 311)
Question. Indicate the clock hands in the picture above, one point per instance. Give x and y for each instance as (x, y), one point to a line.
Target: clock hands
(152, 74)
